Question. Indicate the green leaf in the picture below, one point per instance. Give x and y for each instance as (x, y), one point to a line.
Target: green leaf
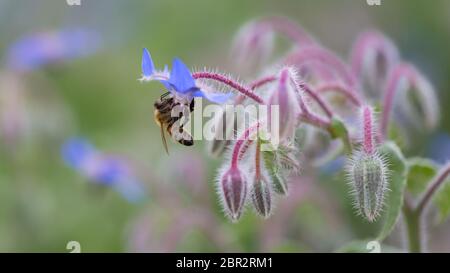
(275, 172)
(442, 201)
(397, 185)
(367, 246)
(279, 163)
(339, 130)
(397, 134)
(420, 172)
(280, 185)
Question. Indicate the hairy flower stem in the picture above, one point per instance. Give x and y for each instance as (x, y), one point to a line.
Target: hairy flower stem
(432, 189)
(308, 90)
(239, 144)
(400, 71)
(322, 56)
(306, 115)
(414, 216)
(309, 117)
(319, 122)
(258, 161)
(244, 148)
(368, 130)
(312, 93)
(341, 89)
(315, 120)
(230, 82)
(255, 85)
(261, 82)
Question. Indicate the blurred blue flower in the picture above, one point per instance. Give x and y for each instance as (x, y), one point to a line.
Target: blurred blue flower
(107, 170)
(180, 81)
(39, 49)
(75, 151)
(439, 148)
(333, 166)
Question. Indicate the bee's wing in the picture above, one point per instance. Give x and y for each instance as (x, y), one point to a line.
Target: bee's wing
(163, 137)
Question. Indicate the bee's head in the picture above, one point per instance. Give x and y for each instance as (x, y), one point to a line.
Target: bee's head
(164, 101)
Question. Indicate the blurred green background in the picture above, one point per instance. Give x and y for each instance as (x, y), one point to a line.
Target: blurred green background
(44, 204)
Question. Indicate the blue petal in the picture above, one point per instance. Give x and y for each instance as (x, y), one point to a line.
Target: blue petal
(439, 148)
(180, 77)
(110, 170)
(213, 97)
(167, 84)
(147, 63)
(42, 48)
(75, 150)
(131, 189)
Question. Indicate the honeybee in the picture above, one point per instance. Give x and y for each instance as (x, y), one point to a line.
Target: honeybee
(166, 118)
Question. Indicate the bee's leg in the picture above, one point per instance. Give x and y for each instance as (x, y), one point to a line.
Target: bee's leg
(182, 136)
(186, 140)
(165, 106)
(191, 106)
(165, 95)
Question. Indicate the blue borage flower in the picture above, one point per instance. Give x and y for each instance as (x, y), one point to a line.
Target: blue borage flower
(103, 169)
(179, 81)
(42, 48)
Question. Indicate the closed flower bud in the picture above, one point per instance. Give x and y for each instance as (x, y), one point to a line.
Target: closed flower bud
(233, 189)
(261, 196)
(284, 97)
(253, 44)
(373, 57)
(403, 79)
(367, 173)
(367, 170)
